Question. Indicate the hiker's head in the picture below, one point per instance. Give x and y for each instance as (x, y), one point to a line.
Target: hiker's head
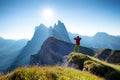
(78, 37)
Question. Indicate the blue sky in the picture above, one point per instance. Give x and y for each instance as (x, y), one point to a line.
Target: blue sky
(18, 18)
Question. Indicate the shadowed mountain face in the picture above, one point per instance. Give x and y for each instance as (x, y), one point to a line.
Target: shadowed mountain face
(114, 57)
(108, 55)
(34, 45)
(53, 50)
(99, 40)
(103, 54)
(9, 49)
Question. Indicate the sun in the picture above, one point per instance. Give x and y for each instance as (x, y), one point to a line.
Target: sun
(48, 16)
(47, 13)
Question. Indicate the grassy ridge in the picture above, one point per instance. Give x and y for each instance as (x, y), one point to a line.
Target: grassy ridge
(48, 73)
(86, 63)
(116, 67)
(95, 66)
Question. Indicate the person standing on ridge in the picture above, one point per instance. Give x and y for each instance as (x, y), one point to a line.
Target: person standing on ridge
(77, 46)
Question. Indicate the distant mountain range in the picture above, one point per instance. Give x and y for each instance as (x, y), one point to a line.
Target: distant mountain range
(99, 41)
(9, 49)
(49, 45)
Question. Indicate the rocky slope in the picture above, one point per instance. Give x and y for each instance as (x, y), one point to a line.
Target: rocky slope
(108, 55)
(53, 50)
(114, 57)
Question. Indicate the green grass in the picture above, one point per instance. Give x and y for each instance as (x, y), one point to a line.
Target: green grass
(86, 63)
(95, 66)
(116, 67)
(48, 73)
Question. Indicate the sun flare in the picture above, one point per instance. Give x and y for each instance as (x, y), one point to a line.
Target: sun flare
(47, 13)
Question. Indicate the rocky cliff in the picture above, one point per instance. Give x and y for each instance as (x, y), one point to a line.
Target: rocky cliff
(53, 50)
(108, 55)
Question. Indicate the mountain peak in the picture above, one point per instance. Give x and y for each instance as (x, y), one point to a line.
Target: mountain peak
(60, 29)
(101, 33)
(40, 26)
(59, 22)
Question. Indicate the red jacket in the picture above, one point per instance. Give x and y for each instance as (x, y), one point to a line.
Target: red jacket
(77, 40)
